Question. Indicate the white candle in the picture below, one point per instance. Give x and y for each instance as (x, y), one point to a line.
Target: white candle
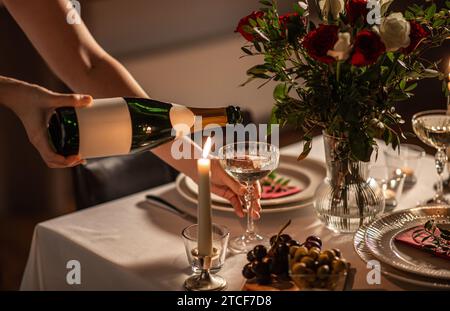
(204, 203)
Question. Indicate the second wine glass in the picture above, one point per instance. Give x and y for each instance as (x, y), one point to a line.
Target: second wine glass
(248, 162)
(433, 128)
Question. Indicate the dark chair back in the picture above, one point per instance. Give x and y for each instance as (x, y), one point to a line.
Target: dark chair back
(105, 179)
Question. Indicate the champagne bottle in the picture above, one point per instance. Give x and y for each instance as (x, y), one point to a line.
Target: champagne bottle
(117, 126)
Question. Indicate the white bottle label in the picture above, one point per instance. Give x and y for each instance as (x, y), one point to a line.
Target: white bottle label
(182, 119)
(104, 128)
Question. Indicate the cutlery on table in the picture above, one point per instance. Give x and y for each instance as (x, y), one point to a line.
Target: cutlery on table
(155, 200)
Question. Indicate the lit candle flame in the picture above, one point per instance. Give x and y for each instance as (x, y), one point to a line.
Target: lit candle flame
(206, 148)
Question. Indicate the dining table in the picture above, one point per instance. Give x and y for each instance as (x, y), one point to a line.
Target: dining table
(132, 244)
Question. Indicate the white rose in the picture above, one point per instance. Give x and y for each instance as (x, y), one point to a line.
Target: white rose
(342, 48)
(331, 7)
(394, 32)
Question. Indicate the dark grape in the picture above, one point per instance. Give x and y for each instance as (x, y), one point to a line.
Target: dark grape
(251, 256)
(264, 280)
(315, 239)
(267, 260)
(277, 266)
(310, 244)
(273, 238)
(260, 251)
(260, 268)
(247, 271)
(337, 252)
(292, 243)
(282, 249)
(323, 272)
(285, 238)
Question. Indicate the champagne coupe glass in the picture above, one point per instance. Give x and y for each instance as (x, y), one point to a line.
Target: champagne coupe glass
(433, 128)
(248, 162)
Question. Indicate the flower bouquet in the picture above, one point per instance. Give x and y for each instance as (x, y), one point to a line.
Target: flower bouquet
(342, 66)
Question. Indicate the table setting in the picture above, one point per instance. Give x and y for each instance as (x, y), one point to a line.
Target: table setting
(337, 208)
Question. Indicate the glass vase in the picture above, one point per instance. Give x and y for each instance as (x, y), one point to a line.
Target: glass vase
(347, 198)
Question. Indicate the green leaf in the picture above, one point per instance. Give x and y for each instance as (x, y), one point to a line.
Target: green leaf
(391, 56)
(257, 69)
(280, 92)
(439, 22)
(411, 87)
(266, 2)
(429, 13)
(360, 145)
(447, 3)
(300, 11)
(307, 146)
(409, 15)
(257, 47)
(273, 120)
(246, 51)
(385, 7)
(286, 182)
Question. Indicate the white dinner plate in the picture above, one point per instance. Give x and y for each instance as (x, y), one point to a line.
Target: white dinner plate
(186, 193)
(364, 253)
(380, 239)
(306, 174)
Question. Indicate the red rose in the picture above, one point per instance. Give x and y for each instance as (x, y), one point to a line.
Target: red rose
(319, 41)
(292, 18)
(417, 34)
(284, 19)
(368, 47)
(356, 9)
(245, 22)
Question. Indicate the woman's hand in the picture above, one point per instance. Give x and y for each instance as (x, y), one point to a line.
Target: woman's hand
(34, 105)
(225, 186)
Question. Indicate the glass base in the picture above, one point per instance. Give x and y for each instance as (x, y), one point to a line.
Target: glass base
(246, 242)
(205, 282)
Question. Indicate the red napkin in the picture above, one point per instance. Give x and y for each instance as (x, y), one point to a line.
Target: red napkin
(406, 237)
(269, 192)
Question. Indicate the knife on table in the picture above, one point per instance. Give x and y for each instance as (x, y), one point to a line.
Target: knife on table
(155, 200)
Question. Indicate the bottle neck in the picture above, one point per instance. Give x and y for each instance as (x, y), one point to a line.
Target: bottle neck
(218, 116)
(211, 116)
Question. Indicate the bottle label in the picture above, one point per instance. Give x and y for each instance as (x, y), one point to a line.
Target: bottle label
(105, 128)
(182, 119)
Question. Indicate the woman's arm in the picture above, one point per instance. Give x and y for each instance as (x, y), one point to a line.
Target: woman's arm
(74, 55)
(71, 51)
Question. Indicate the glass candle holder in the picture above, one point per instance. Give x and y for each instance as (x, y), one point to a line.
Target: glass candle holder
(408, 160)
(221, 235)
(391, 180)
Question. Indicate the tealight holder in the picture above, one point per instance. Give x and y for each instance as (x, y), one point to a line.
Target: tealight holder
(205, 281)
(206, 267)
(408, 160)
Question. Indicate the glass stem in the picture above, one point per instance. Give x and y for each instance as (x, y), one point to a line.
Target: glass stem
(248, 198)
(440, 161)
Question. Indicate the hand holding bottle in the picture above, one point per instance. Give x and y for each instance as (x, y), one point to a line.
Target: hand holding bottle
(34, 105)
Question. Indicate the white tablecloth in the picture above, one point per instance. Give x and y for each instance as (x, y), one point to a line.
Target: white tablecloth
(128, 244)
